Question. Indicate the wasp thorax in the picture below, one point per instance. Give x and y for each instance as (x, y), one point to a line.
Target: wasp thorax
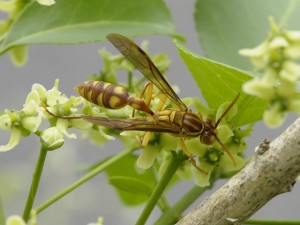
(192, 124)
(209, 133)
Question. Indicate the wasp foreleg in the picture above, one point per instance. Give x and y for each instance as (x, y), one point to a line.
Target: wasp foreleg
(189, 155)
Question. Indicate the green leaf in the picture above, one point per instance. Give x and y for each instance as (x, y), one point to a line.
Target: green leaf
(225, 27)
(220, 83)
(133, 191)
(133, 187)
(71, 22)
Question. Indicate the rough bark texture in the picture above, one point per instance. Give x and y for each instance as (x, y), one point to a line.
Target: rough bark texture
(272, 171)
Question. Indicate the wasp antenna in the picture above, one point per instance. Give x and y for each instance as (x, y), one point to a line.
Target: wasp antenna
(61, 117)
(227, 110)
(226, 150)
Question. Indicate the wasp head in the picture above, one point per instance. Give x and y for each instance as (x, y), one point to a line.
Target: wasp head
(209, 133)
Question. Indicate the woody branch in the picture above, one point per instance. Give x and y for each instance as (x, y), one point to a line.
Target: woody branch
(273, 170)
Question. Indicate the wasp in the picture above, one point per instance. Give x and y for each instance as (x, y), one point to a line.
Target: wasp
(180, 121)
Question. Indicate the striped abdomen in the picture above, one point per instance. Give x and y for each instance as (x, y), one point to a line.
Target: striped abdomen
(110, 96)
(103, 94)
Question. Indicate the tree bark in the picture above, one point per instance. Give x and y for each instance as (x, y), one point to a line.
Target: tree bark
(273, 170)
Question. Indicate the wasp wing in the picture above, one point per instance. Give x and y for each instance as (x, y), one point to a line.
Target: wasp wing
(137, 124)
(143, 63)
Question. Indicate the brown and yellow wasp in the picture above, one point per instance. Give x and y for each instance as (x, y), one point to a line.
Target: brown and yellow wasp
(181, 122)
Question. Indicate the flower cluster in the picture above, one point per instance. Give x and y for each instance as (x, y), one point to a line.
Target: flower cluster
(29, 118)
(278, 85)
(21, 123)
(210, 157)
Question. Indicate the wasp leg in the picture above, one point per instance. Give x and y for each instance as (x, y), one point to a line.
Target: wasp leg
(147, 91)
(162, 102)
(189, 155)
(143, 141)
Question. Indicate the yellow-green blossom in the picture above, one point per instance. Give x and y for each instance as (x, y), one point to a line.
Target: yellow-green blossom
(276, 57)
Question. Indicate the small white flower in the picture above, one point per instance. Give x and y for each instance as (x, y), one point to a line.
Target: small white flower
(278, 42)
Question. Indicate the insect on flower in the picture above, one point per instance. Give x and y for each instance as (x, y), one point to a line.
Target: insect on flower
(181, 122)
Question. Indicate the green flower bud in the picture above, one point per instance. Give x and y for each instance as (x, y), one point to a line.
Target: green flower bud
(15, 220)
(19, 55)
(212, 156)
(52, 138)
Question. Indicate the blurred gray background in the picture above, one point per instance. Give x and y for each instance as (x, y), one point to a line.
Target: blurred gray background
(71, 64)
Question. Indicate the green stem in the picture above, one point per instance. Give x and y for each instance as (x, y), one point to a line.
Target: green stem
(2, 216)
(35, 183)
(174, 213)
(272, 222)
(176, 160)
(129, 81)
(82, 180)
(163, 203)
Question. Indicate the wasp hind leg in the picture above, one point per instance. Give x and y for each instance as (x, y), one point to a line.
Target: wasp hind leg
(190, 156)
(143, 141)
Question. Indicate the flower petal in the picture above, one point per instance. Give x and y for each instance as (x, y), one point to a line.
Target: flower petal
(14, 140)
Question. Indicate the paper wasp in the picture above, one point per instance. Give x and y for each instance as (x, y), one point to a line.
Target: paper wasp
(181, 122)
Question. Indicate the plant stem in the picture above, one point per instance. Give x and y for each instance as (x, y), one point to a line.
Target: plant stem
(129, 81)
(2, 216)
(272, 222)
(176, 160)
(82, 180)
(35, 183)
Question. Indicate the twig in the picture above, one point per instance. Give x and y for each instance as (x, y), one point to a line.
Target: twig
(273, 170)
